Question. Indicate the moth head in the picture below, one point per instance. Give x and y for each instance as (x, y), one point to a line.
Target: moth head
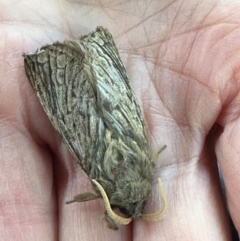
(136, 195)
(134, 209)
(131, 198)
(118, 219)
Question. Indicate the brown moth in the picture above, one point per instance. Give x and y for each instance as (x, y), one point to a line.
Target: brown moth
(85, 91)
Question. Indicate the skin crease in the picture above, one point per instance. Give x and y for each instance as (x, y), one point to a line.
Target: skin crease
(183, 60)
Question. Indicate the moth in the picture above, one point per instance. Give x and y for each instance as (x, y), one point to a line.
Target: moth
(85, 91)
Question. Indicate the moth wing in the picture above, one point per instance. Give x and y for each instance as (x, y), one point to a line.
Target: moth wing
(56, 73)
(116, 101)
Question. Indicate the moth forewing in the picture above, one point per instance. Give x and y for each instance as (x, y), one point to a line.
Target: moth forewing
(85, 91)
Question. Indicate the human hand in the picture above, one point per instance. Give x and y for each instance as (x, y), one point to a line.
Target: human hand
(183, 67)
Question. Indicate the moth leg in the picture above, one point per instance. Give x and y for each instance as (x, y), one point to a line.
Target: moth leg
(110, 222)
(162, 149)
(155, 157)
(83, 197)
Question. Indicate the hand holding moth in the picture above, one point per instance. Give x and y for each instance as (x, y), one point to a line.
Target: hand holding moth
(182, 60)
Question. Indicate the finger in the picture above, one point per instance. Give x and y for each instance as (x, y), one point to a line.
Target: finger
(227, 150)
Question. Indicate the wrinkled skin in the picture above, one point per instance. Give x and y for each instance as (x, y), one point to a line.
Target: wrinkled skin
(183, 61)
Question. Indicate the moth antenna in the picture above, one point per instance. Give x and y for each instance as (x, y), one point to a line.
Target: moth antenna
(111, 214)
(157, 216)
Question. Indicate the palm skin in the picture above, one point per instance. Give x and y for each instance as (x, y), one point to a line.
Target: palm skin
(184, 69)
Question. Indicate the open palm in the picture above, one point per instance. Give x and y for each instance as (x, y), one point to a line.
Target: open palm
(183, 62)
